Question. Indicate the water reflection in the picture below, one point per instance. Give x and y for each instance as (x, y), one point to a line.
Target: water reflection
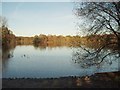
(7, 53)
(46, 61)
(44, 47)
(91, 57)
(39, 47)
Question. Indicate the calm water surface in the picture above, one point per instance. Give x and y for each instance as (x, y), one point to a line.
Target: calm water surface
(31, 62)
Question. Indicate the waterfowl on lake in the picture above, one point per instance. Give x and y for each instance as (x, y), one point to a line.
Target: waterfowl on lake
(9, 55)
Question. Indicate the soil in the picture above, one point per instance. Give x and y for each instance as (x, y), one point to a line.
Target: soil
(98, 80)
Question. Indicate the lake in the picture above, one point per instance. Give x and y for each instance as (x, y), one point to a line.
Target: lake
(27, 61)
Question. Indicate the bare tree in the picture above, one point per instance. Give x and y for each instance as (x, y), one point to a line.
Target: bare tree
(3, 21)
(101, 18)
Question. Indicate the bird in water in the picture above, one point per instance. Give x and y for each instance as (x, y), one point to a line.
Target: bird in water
(24, 55)
(9, 55)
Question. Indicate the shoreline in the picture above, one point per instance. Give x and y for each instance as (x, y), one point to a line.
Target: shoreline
(98, 80)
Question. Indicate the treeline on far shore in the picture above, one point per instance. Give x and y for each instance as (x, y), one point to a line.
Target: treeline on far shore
(10, 40)
(48, 40)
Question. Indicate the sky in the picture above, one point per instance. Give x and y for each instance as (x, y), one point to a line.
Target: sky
(59, 0)
(34, 18)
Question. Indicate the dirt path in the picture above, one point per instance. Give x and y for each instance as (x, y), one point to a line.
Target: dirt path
(99, 80)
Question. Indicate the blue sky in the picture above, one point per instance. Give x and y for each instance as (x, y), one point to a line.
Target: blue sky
(34, 18)
(60, 0)
(37, 0)
(0, 8)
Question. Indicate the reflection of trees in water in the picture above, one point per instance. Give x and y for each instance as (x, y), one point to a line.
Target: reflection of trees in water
(99, 18)
(49, 47)
(7, 52)
(87, 57)
(42, 47)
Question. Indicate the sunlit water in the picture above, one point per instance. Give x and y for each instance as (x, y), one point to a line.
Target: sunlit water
(31, 62)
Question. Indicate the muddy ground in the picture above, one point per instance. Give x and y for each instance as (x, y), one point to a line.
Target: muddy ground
(99, 80)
